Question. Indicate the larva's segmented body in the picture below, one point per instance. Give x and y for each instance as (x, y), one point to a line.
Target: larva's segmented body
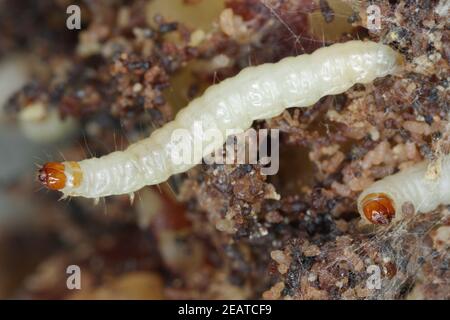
(258, 92)
(381, 203)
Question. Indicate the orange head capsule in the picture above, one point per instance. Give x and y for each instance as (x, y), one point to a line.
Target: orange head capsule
(52, 175)
(378, 208)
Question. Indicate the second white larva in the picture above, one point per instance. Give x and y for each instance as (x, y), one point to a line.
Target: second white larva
(258, 92)
(424, 185)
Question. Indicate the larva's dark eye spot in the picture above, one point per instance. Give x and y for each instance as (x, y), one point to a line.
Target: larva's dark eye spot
(52, 176)
(378, 208)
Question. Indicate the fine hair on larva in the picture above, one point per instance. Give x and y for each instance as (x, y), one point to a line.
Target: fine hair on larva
(425, 186)
(256, 93)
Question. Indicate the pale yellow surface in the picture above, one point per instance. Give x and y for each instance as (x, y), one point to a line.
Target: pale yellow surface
(331, 31)
(198, 15)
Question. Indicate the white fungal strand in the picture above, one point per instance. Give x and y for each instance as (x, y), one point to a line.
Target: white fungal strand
(258, 92)
(425, 186)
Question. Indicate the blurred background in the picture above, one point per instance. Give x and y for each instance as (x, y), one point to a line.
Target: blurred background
(53, 109)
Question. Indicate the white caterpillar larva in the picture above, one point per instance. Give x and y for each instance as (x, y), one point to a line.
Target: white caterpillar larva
(13, 76)
(381, 203)
(258, 92)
